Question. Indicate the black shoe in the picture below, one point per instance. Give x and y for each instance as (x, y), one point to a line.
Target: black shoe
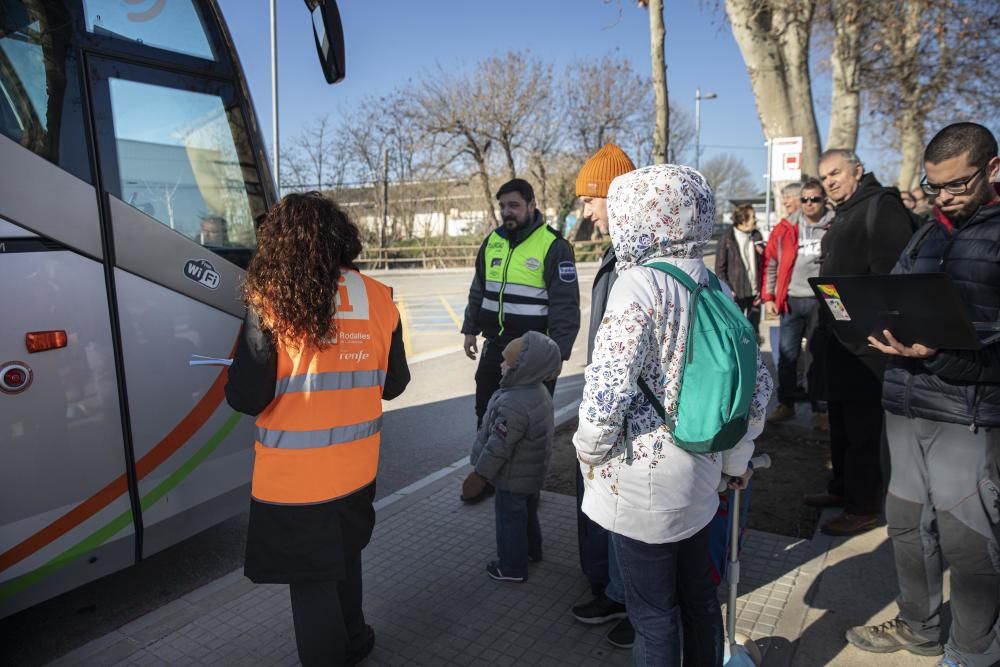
(599, 610)
(356, 656)
(493, 569)
(622, 635)
(535, 558)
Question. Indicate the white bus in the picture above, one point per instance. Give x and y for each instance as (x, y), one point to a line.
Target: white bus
(132, 171)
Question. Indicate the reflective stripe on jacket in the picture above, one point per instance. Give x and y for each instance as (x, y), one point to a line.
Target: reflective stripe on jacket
(515, 280)
(319, 439)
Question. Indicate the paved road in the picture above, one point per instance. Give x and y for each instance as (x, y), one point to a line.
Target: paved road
(426, 429)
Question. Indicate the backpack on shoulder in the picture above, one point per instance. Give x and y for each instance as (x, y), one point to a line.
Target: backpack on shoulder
(719, 377)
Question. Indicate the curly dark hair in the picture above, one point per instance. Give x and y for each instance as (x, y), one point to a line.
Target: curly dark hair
(302, 246)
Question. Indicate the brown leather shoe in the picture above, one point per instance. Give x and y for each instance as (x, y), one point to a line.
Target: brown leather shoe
(822, 500)
(821, 422)
(845, 524)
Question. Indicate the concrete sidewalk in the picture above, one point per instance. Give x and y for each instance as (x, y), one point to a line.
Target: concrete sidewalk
(431, 603)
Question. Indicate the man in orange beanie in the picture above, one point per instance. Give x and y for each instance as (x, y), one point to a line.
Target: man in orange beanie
(596, 559)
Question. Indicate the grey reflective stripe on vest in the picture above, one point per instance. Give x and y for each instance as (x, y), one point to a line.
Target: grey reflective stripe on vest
(330, 380)
(323, 437)
(519, 290)
(516, 308)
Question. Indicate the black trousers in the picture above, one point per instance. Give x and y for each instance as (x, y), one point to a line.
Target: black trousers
(856, 453)
(329, 623)
(488, 375)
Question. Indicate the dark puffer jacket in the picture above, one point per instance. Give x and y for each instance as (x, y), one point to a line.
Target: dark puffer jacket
(514, 443)
(954, 386)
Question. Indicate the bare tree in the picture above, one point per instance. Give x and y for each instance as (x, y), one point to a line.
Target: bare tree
(444, 107)
(773, 36)
(604, 99)
(729, 178)
(657, 36)
(311, 161)
(510, 91)
(928, 55)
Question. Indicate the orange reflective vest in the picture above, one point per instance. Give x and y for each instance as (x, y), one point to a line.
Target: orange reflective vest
(318, 440)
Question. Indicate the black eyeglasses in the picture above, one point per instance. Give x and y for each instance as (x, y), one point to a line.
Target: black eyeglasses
(954, 188)
(811, 200)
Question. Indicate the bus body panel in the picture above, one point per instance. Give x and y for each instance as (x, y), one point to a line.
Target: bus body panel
(61, 438)
(180, 409)
(41, 197)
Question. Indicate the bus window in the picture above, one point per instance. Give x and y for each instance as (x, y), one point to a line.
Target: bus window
(40, 106)
(184, 159)
(175, 26)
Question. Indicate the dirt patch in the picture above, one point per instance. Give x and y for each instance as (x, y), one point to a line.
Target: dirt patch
(800, 466)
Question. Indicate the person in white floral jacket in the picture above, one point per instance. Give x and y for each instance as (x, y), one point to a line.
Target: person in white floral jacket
(656, 498)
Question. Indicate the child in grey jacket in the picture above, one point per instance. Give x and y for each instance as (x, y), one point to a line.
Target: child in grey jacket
(512, 451)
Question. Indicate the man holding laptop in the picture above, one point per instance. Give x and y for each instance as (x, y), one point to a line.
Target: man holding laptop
(943, 423)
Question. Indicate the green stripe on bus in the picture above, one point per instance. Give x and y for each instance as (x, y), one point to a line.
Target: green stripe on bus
(122, 521)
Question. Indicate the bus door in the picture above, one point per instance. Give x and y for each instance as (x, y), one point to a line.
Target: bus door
(183, 191)
(65, 509)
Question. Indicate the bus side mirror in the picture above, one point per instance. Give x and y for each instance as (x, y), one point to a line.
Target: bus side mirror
(329, 34)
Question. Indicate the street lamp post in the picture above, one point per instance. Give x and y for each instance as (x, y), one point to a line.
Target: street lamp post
(698, 97)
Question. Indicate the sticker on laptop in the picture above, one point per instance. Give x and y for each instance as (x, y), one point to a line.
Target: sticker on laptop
(837, 309)
(829, 291)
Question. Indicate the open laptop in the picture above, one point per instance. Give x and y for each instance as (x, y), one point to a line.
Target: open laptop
(921, 308)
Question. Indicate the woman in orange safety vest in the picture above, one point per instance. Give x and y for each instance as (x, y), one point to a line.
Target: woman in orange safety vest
(321, 346)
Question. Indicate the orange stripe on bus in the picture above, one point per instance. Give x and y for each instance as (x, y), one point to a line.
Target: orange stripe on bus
(174, 440)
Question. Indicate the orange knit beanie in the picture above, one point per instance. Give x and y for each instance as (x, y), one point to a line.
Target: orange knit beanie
(597, 174)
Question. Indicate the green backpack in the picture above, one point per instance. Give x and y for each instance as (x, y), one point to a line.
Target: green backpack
(720, 370)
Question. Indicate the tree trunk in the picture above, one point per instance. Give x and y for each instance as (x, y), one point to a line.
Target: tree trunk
(509, 154)
(910, 124)
(657, 36)
(845, 61)
(764, 65)
(793, 26)
(775, 48)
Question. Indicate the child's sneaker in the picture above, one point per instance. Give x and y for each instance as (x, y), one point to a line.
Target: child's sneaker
(493, 569)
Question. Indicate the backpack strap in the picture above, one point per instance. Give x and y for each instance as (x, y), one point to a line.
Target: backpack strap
(681, 276)
(651, 397)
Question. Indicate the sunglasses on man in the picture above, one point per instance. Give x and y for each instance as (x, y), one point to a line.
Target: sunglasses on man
(811, 200)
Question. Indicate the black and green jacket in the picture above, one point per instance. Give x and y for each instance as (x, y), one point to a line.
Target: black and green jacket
(525, 281)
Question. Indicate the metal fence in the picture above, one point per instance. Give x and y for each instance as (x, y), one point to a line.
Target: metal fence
(451, 256)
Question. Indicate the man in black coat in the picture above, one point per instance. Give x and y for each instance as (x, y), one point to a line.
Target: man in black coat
(943, 423)
(866, 236)
(596, 558)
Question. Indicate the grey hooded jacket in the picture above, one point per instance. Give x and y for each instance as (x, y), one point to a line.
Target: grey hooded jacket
(514, 443)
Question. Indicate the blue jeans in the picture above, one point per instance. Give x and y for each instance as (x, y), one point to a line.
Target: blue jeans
(518, 531)
(669, 587)
(798, 323)
(616, 585)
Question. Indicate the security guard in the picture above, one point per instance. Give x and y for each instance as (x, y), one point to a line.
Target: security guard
(316, 384)
(525, 281)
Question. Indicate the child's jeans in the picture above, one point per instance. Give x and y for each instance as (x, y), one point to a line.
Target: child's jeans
(518, 532)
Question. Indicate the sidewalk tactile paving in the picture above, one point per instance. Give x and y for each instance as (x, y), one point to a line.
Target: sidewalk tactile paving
(431, 603)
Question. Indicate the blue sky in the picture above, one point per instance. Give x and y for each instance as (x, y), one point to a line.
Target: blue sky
(392, 41)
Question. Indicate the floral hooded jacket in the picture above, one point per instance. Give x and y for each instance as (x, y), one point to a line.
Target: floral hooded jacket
(662, 493)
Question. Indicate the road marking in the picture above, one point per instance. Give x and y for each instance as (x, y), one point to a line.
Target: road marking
(451, 311)
(404, 321)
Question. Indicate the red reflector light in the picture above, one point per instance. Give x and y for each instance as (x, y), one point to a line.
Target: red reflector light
(40, 341)
(15, 378)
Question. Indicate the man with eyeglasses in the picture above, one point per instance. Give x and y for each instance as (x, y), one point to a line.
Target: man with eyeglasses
(869, 230)
(792, 258)
(943, 423)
